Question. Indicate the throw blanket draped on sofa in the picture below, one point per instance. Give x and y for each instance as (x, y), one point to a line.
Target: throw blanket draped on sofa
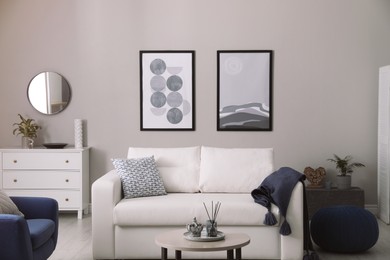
(277, 188)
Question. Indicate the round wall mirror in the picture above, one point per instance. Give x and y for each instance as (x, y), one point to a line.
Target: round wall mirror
(49, 93)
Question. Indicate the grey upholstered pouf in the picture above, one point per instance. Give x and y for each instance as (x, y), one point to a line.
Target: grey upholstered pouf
(344, 229)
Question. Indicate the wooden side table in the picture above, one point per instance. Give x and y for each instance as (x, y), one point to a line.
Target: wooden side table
(176, 241)
(320, 197)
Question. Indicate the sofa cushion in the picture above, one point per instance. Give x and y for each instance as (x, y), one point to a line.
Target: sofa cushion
(139, 177)
(178, 209)
(234, 170)
(178, 167)
(41, 230)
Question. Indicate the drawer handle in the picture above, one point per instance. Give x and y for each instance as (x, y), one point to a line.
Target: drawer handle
(15, 161)
(66, 199)
(66, 180)
(15, 180)
(67, 161)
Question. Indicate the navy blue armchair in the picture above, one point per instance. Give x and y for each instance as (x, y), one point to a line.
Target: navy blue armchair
(32, 237)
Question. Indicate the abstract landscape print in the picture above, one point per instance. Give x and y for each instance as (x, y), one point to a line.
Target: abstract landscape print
(244, 90)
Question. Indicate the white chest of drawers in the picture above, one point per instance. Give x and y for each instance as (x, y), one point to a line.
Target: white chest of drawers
(62, 174)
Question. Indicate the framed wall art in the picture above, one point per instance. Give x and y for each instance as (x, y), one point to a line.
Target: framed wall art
(244, 90)
(167, 90)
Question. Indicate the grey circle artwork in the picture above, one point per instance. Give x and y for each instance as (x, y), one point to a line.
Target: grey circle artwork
(174, 70)
(174, 83)
(174, 99)
(158, 111)
(158, 66)
(174, 116)
(157, 83)
(186, 107)
(158, 99)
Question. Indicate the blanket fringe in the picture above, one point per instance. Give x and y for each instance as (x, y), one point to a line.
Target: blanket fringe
(270, 219)
(285, 229)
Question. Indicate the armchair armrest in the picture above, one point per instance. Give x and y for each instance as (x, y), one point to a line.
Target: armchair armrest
(39, 207)
(106, 193)
(14, 238)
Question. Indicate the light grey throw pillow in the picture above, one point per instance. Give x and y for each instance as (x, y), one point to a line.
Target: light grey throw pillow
(7, 206)
(140, 177)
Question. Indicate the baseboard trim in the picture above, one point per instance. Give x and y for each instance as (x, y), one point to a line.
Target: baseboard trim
(373, 208)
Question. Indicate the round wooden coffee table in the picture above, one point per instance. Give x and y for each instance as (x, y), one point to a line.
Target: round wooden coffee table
(175, 240)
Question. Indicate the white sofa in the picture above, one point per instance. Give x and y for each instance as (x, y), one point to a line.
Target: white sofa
(125, 228)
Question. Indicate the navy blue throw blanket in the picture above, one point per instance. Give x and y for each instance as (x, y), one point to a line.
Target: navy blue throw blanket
(276, 189)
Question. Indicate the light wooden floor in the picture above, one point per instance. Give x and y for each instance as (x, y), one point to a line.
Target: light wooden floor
(74, 242)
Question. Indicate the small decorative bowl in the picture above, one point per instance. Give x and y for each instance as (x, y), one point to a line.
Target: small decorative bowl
(54, 145)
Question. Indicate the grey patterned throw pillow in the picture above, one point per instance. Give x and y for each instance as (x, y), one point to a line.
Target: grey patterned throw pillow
(140, 177)
(7, 206)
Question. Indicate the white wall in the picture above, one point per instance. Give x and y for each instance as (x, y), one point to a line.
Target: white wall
(326, 60)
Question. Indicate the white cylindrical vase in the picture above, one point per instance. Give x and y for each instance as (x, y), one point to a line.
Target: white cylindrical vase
(78, 133)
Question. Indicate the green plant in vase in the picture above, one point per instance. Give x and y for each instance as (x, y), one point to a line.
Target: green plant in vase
(345, 168)
(28, 129)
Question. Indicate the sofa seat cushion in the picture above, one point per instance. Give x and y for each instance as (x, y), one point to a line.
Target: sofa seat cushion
(178, 209)
(41, 230)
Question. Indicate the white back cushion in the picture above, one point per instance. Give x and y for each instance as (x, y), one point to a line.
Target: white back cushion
(237, 170)
(178, 167)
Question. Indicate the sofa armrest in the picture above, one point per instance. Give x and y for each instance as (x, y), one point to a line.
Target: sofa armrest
(14, 238)
(292, 245)
(106, 193)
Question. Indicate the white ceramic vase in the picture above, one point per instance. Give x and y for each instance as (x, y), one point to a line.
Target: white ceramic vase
(78, 133)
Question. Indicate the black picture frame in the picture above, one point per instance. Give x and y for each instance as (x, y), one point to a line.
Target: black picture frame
(167, 81)
(244, 90)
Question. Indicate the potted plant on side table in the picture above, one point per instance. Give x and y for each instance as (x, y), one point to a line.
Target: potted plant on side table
(345, 168)
(28, 129)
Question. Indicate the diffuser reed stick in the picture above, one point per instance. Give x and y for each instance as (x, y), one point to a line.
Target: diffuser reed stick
(214, 210)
